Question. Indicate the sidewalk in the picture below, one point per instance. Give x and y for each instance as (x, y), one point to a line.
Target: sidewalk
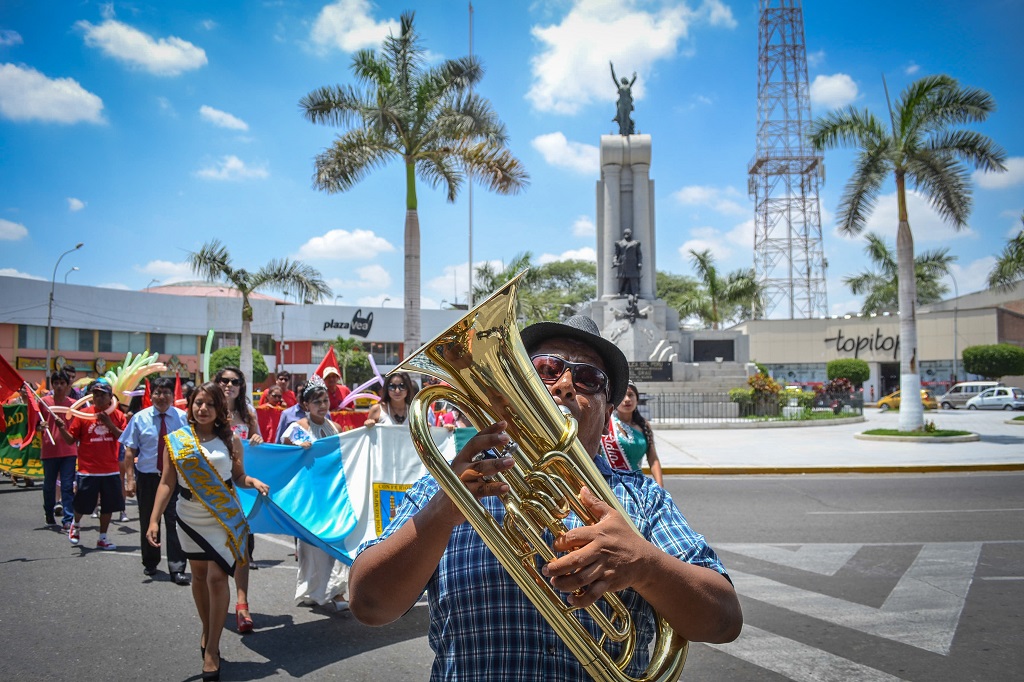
(833, 449)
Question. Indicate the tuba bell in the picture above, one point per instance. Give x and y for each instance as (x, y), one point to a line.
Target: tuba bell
(490, 376)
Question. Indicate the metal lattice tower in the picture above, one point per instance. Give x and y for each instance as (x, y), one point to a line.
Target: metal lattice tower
(786, 172)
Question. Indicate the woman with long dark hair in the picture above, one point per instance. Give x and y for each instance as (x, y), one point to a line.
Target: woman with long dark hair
(204, 462)
(243, 424)
(393, 408)
(633, 435)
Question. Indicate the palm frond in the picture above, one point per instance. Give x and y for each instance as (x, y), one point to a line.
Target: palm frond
(861, 191)
(846, 128)
(350, 159)
(300, 278)
(438, 167)
(977, 149)
(212, 262)
(946, 183)
(1009, 267)
(495, 168)
(337, 106)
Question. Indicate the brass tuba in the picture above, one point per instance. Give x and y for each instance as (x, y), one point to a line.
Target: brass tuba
(491, 377)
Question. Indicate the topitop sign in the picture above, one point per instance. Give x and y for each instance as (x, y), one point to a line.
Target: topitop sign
(845, 345)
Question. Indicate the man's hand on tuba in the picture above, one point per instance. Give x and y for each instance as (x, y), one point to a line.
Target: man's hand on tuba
(476, 475)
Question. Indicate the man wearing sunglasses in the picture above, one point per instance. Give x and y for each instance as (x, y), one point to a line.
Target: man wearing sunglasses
(482, 626)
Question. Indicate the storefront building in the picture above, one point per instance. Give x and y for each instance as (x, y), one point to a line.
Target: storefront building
(93, 328)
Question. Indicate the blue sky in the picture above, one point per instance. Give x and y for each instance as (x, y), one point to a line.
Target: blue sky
(145, 129)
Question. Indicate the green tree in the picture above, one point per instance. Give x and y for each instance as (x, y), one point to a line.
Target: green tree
(854, 369)
(430, 118)
(994, 361)
(881, 284)
(213, 263)
(718, 299)
(923, 147)
(550, 292)
(1009, 267)
(674, 289)
(230, 357)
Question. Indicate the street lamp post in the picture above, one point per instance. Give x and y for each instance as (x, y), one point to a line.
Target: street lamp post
(74, 269)
(49, 312)
(384, 300)
(337, 297)
(152, 282)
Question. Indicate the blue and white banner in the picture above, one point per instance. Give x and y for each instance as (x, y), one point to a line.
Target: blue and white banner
(341, 491)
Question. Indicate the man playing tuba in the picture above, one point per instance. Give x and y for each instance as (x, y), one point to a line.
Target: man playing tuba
(482, 626)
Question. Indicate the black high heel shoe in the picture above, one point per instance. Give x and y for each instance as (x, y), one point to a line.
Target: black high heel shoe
(211, 675)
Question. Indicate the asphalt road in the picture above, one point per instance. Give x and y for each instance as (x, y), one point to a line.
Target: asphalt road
(842, 577)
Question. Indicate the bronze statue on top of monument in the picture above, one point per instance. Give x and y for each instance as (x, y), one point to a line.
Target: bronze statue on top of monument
(624, 107)
(629, 261)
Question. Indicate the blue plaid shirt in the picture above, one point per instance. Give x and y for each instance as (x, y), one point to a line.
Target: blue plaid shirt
(482, 626)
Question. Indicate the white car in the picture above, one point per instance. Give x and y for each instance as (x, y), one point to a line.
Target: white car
(1001, 398)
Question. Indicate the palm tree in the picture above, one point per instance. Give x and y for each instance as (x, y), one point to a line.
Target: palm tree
(719, 299)
(882, 283)
(213, 263)
(925, 148)
(1009, 268)
(430, 119)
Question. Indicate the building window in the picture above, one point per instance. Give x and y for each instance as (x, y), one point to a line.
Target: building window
(121, 342)
(173, 344)
(66, 340)
(384, 353)
(31, 337)
(226, 340)
(264, 343)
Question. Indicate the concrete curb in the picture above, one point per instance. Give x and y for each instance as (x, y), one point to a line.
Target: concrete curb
(920, 439)
(1012, 422)
(894, 469)
(782, 424)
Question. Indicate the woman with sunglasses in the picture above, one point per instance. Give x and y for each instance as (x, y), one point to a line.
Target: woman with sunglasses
(207, 446)
(632, 435)
(399, 389)
(322, 579)
(244, 425)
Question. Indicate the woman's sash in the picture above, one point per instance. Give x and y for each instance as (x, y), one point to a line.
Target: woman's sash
(612, 450)
(207, 486)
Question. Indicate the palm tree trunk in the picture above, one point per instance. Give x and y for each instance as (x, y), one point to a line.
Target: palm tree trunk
(245, 350)
(911, 409)
(412, 282)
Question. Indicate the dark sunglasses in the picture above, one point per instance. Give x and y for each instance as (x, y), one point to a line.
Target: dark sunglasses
(586, 378)
(396, 387)
(233, 382)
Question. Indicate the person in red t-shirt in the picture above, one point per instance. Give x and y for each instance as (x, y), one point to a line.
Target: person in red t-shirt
(99, 471)
(287, 395)
(335, 391)
(58, 457)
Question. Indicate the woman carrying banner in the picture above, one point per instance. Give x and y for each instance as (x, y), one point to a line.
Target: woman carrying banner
(322, 579)
(244, 425)
(630, 438)
(204, 462)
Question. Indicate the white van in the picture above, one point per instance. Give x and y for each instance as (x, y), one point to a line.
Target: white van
(959, 394)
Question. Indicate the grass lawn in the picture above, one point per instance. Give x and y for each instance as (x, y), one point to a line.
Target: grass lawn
(939, 433)
(1019, 419)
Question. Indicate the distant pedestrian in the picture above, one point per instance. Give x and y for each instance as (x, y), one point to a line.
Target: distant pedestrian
(630, 439)
(59, 458)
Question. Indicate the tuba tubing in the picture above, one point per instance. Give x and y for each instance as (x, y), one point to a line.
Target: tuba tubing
(490, 376)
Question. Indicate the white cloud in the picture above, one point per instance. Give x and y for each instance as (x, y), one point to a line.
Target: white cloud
(166, 107)
(9, 37)
(167, 272)
(831, 92)
(27, 95)
(115, 285)
(561, 153)
(718, 13)
(208, 24)
(742, 235)
(75, 205)
(971, 277)
(11, 272)
(584, 227)
(10, 232)
(721, 200)
(568, 73)
(348, 26)
(706, 238)
(1014, 175)
(816, 59)
(586, 253)
(367, 277)
(925, 223)
(222, 119)
(911, 68)
(169, 56)
(231, 167)
(344, 245)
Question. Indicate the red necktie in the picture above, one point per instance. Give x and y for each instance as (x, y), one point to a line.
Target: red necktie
(161, 446)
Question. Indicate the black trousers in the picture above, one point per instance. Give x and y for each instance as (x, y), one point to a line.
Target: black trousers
(145, 491)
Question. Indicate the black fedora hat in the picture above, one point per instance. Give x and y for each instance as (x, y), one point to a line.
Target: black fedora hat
(583, 329)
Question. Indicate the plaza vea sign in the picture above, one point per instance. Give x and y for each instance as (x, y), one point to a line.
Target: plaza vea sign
(845, 345)
(359, 326)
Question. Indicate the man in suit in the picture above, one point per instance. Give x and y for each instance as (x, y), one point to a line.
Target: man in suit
(144, 442)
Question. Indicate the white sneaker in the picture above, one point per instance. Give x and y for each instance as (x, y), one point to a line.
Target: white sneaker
(340, 605)
(124, 518)
(95, 513)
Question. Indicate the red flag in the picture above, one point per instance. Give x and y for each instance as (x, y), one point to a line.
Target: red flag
(329, 361)
(147, 400)
(177, 388)
(32, 421)
(10, 380)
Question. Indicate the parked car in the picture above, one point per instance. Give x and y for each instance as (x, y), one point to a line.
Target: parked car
(999, 398)
(959, 394)
(892, 401)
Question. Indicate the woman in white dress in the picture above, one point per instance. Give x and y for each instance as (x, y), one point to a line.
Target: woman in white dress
(206, 446)
(244, 425)
(322, 579)
(393, 408)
